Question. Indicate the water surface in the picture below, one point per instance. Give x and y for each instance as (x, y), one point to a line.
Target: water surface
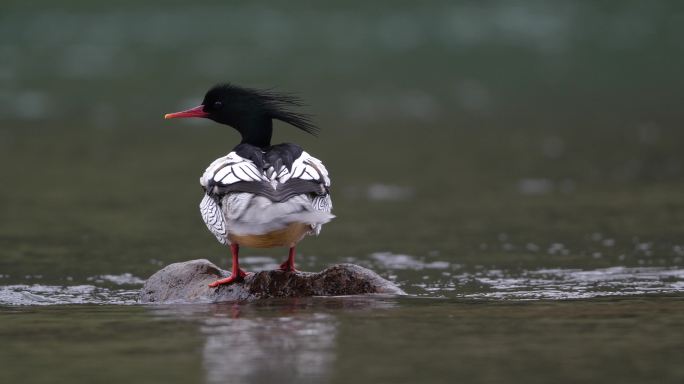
(331, 340)
(516, 167)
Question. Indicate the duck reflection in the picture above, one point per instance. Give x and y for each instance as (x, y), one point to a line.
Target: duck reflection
(291, 348)
(277, 341)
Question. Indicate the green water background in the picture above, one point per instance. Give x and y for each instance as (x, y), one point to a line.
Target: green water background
(497, 136)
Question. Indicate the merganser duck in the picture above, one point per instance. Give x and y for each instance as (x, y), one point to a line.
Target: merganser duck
(260, 195)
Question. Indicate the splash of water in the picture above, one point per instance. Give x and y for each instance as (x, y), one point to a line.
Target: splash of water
(38, 294)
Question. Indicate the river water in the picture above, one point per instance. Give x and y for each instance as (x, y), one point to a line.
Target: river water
(515, 167)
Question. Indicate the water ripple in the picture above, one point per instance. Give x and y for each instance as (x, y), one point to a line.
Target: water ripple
(496, 284)
(37, 294)
(559, 284)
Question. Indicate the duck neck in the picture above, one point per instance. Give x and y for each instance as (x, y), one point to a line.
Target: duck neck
(257, 132)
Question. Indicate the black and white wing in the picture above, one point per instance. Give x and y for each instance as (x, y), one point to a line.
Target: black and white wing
(307, 167)
(213, 218)
(230, 169)
(231, 181)
(224, 171)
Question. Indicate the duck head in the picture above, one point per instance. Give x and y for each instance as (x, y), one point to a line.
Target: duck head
(249, 111)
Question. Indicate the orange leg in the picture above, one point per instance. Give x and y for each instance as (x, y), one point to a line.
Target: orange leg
(289, 265)
(237, 274)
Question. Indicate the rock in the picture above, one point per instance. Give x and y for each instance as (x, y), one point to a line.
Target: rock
(188, 282)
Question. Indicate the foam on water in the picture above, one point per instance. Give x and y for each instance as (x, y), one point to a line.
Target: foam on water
(388, 260)
(434, 279)
(122, 279)
(559, 284)
(38, 294)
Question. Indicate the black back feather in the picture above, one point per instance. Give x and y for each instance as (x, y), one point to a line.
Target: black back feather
(275, 156)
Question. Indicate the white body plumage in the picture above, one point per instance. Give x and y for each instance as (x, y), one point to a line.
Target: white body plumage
(243, 200)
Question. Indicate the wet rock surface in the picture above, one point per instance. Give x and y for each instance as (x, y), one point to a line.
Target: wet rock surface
(188, 282)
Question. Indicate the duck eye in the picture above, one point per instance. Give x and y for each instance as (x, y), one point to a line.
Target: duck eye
(218, 105)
